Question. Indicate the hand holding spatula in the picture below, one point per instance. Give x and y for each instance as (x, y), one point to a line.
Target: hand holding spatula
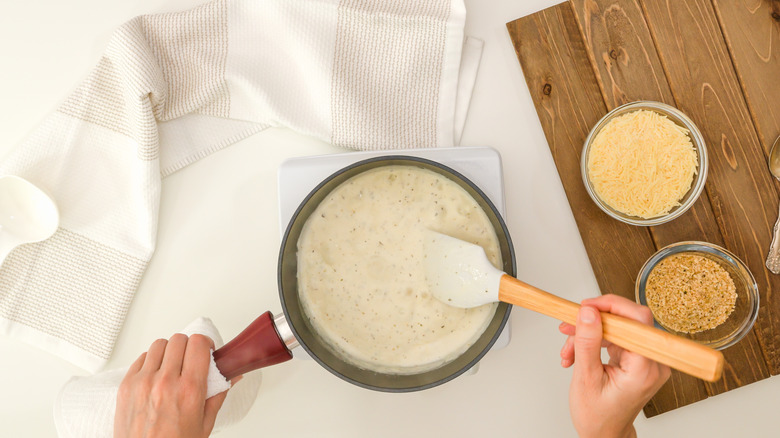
(459, 274)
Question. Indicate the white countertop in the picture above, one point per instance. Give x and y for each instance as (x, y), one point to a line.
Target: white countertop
(218, 244)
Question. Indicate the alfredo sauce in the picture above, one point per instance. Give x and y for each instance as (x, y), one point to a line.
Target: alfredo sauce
(361, 275)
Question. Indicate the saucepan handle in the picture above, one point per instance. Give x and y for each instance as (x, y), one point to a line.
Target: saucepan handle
(259, 345)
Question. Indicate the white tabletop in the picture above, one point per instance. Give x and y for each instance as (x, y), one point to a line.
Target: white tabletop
(218, 243)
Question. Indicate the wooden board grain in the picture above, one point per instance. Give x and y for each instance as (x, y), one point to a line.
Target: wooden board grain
(752, 32)
(674, 52)
(621, 52)
(751, 29)
(627, 68)
(624, 57)
(569, 103)
(743, 194)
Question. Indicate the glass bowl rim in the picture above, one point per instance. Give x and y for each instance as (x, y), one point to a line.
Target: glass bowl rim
(722, 253)
(696, 138)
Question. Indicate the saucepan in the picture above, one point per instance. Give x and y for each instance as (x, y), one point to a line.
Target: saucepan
(268, 340)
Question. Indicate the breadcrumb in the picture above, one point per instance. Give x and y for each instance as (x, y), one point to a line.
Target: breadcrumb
(690, 293)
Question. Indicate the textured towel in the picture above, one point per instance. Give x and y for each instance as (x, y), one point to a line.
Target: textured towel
(86, 406)
(173, 88)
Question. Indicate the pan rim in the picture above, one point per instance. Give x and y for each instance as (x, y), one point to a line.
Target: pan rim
(314, 192)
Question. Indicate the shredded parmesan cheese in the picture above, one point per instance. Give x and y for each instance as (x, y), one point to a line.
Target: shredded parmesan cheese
(642, 164)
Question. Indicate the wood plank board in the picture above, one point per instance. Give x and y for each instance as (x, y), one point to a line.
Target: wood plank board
(673, 52)
(752, 32)
(627, 69)
(617, 34)
(569, 103)
(743, 194)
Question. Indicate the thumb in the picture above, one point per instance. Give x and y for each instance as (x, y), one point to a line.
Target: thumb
(213, 406)
(587, 345)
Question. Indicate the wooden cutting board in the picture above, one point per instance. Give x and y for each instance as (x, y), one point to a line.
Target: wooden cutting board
(719, 62)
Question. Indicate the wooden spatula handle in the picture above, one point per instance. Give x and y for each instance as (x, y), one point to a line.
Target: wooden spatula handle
(679, 353)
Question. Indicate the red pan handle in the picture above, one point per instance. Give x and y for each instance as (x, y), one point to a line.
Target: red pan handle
(258, 346)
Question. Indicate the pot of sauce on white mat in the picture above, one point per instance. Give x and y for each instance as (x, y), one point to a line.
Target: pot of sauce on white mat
(323, 330)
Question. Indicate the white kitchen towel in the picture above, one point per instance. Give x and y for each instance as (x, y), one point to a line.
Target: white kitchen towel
(173, 88)
(85, 406)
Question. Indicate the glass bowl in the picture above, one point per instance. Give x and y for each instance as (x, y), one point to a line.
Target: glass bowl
(740, 321)
(675, 116)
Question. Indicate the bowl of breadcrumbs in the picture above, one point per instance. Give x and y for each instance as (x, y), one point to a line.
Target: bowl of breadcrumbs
(699, 291)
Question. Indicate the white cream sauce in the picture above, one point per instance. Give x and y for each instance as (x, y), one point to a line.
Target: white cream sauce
(361, 276)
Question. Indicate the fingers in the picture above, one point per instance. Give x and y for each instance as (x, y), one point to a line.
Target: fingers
(174, 354)
(615, 355)
(178, 356)
(567, 352)
(125, 390)
(211, 409)
(197, 358)
(566, 328)
(214, 404)
(165, 390)
(136, 366)
(621, 306)
(154, 356)
(620, 358)
(587, 345)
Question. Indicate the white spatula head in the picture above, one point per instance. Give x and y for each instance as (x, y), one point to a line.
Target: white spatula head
(459, 273)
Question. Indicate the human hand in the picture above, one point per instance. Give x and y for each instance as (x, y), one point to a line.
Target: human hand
(604, 399)
(163, 393)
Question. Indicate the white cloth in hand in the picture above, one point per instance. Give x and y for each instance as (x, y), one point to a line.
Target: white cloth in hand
(86, 406)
